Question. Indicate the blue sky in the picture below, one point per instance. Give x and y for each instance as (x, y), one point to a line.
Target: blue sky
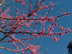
(57, 47)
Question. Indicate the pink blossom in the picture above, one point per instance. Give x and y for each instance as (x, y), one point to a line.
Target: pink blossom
(34, 31)
(39, 8)
(58, 38)
(33, 51)
(58, 26)
(60, 12)
(42, 31)
(13, 43)
(51, 33)
(37, 36)
(26, 31)
(45, 18)
(45, 6)
(54, 39)
(27, 24)
(55, 33)
(12, 35)
(67, 15)
(22, 21)
(27, 48)
(42, 7)
(6, 11)
(33, 14)
(17, 9)
(0, 11)
(23, 44)
(30, 20)
(8, 16)
(51, 19)
(61, 28)
(64, 13)
(18, 40)
(45, 34)
(51, 5)
(17, 0)
(31, 46)
(68, 30)
(21, 1)
(61, 34)
(51, 2)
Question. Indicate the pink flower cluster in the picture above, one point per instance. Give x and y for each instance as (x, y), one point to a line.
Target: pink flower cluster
(26, 24)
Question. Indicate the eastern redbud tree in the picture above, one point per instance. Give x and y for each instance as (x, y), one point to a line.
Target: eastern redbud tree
(32, 24)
